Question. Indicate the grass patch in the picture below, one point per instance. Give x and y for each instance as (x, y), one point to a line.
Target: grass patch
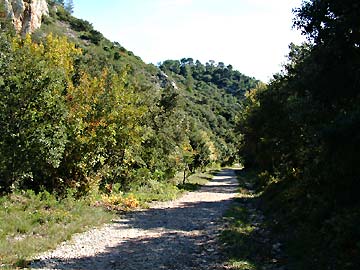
(189, 186)
(300, 231)
(194, 181)
(240, 247)
(155, 191)
(247, 244)
(165, 191)
(32, 223)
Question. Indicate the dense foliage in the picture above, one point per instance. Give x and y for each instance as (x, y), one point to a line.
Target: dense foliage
(81, 113)
(78, 111)
(213, 100)
(219, 75)
(59, 124)
(303, 132)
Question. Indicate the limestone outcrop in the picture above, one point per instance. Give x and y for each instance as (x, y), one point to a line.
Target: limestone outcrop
(25, 15)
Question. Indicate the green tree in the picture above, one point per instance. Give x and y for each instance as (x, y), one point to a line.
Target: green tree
(33, 112)
(69, 6)
(303, 131)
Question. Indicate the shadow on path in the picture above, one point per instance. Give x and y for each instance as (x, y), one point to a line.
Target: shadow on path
(178, 235)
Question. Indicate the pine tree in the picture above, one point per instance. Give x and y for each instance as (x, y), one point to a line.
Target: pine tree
(69, 6)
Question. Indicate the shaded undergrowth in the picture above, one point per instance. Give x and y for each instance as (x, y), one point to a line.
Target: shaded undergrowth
(317, 233)
(280, 226)
(248, 241)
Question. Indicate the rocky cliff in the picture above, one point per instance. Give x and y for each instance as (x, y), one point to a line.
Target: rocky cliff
(25, 14)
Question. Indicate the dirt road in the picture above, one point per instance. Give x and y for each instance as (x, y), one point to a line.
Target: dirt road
(180, 234)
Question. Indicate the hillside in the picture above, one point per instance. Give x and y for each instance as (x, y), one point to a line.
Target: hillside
(88, 127)
(86, 123)
(111, 119)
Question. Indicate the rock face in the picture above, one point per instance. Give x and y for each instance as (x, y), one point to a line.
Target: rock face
(25, 14)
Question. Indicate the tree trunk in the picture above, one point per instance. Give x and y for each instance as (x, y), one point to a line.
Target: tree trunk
(184, 179)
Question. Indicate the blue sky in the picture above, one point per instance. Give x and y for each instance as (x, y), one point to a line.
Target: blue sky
(251, 35)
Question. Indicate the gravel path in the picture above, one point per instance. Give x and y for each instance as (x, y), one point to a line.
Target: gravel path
(180, 234)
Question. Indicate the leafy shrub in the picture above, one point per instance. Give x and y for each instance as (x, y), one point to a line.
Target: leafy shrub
(80, 25)
(31, 145)
(118, 202)
(94, 36)
(117, 56)
(63, 14)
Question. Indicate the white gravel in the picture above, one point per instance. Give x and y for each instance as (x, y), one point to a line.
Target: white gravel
(180, 234)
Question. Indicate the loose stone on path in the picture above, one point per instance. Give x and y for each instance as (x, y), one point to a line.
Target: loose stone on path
(180, 234)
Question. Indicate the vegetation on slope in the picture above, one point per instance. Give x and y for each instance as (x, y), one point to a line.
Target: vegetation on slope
(94, 115)
(212, 99)
(81, 115)
(302, 131)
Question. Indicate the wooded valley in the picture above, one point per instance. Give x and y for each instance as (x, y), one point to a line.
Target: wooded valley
(82, 115)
